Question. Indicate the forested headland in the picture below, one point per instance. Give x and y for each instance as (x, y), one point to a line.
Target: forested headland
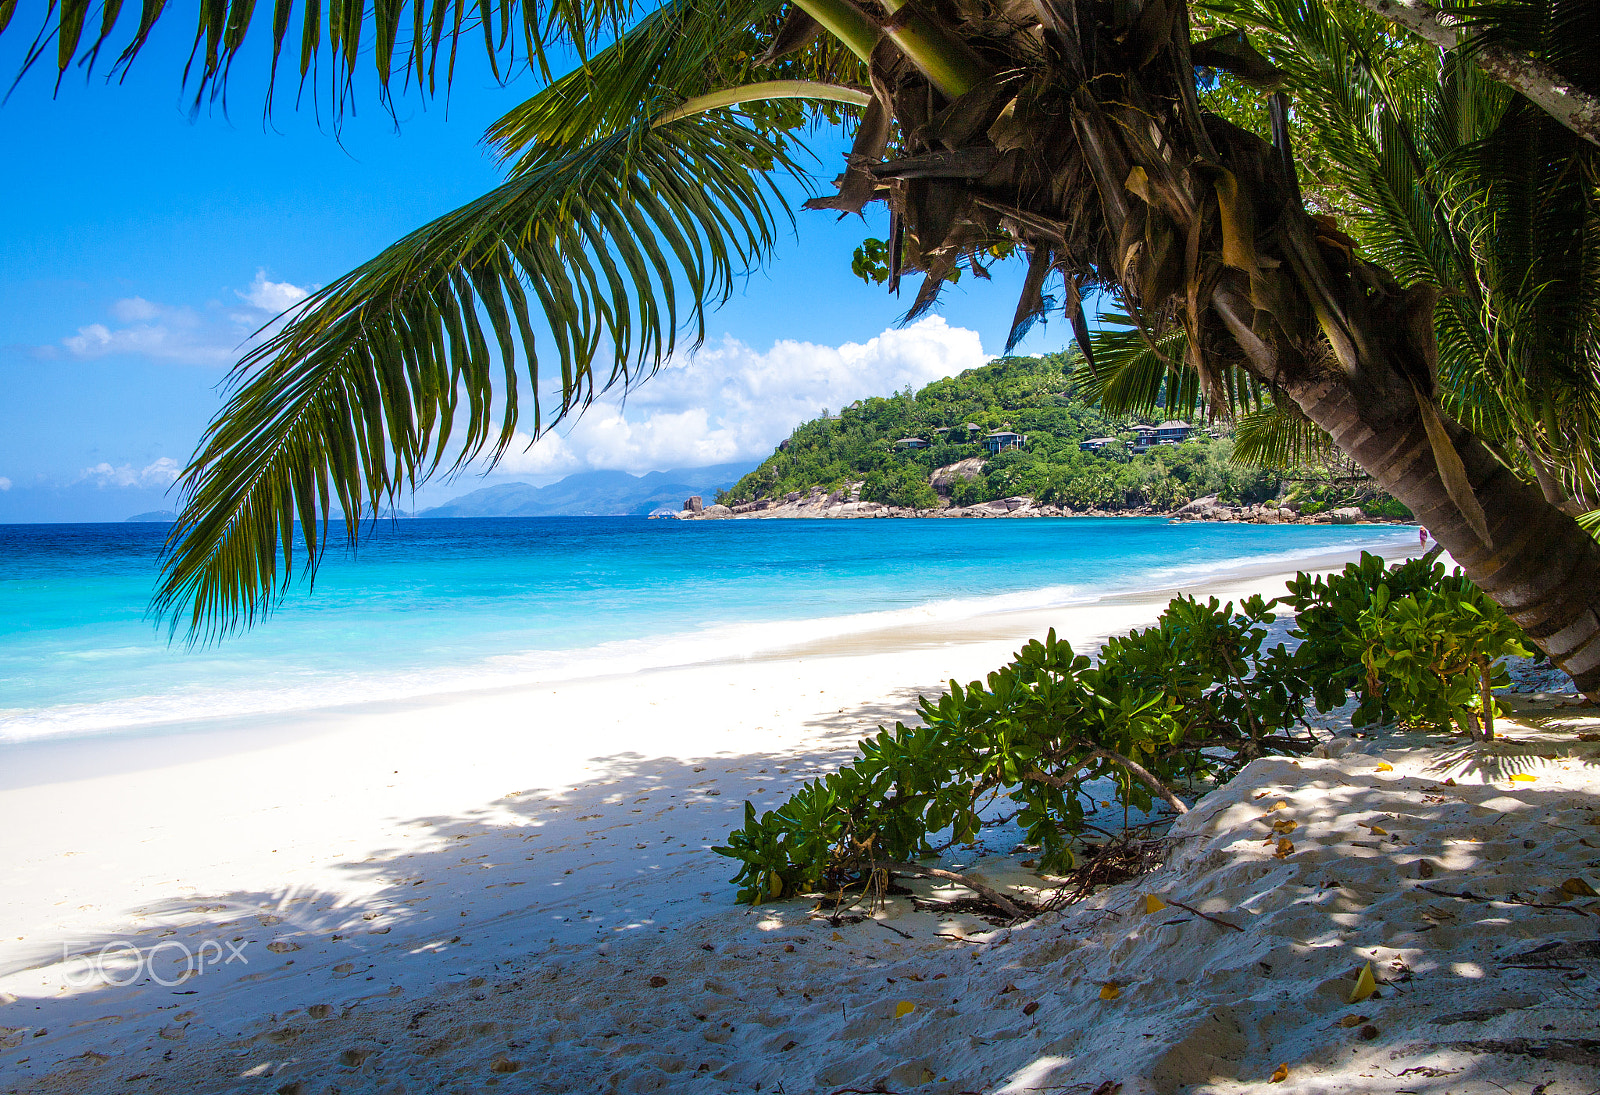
(861, 452)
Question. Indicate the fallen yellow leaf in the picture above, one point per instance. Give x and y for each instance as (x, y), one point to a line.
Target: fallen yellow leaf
(1366, 985)
(1285, 826)
(1279, 805)
(1110, 991)
(837, 938)
(1352, 1020)
(904, 1008)
(1153, 904)
(1280, 1074)
(1523, 777)
(1385, 766)
(1577, 887)
(1285, 849)
(1379, 830)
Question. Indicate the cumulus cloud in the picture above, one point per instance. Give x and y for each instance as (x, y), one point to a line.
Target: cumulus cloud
(215, 335)
(272, 296)
(160, 472)
(5, 484)
(731, 402)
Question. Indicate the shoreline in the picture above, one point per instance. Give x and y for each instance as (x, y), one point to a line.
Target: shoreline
(928, 623)
(393, 851)
(843, 505)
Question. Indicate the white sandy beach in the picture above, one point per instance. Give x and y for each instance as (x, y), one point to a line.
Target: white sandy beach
(516, 888)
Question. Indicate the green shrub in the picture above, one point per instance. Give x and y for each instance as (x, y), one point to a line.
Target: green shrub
(1192, 698)
(1387, 507)
(1416, 645)
(1171, 704)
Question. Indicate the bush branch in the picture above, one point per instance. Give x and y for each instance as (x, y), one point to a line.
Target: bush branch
(1144, 776)
(993, 896)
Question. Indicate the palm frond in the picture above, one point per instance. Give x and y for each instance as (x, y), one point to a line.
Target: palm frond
(356, 399)
(1137, 373)
(684, 49)
(1279, 436)
(1590, 523)
(405, 38)
(1149, 374)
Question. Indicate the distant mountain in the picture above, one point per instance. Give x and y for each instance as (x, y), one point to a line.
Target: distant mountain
(594, 494)
(154, 517)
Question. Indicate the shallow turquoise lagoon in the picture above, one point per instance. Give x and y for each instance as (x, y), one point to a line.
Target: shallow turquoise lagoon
(429, 606)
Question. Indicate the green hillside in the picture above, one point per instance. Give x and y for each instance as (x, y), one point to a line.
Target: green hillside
(1034, 396)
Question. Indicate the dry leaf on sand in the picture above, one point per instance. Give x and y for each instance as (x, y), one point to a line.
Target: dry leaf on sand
(1366, 985)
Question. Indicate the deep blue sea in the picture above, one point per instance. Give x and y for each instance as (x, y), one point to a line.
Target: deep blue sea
(429, 606)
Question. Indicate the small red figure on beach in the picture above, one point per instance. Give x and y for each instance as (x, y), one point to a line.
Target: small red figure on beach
(1422, 537)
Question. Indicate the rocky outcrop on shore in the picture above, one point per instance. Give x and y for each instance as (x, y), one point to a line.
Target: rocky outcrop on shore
(839, 504)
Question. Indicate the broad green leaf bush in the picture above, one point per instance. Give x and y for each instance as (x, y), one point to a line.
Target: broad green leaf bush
(1413, 644)
(1180, 704)
(1172, 704)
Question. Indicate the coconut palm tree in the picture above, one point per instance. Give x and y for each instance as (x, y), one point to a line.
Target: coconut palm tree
(1064, 133)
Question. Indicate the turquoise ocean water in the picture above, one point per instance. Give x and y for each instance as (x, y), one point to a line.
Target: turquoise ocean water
(430, 606)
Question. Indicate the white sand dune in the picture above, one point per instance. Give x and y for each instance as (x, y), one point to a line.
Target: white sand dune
(516, 890)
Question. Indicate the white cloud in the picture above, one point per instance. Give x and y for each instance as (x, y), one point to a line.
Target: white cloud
(273, 296)
(158, 473)
(730, 402)
(135, 310)
(5, 484)
(215, 335)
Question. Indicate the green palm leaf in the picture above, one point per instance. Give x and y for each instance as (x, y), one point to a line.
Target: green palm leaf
(353, 402)
(404, 37)
(1149, 374)
(1279, 436)
(682, 50)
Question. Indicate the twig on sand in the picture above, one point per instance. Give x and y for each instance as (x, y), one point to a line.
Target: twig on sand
(1201, 915)
(1117, 860)
(994, 897)
(891, 927)
(1468, 895)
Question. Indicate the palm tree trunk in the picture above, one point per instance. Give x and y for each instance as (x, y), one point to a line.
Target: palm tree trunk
(1538, 564)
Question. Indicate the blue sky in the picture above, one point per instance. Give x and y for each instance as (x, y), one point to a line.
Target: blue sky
(143, 245)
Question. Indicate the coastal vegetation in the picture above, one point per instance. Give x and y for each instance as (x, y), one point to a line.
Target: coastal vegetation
(1180, 705)
(1069, 136)
(1042, 399)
